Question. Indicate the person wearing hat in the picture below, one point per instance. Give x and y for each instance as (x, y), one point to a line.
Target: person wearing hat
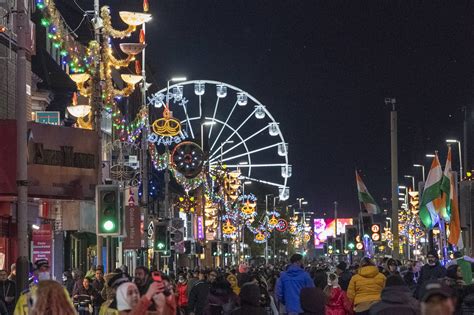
(432, 270)
(114, 280)
(344, 275)
(436, 299)
(396, 299)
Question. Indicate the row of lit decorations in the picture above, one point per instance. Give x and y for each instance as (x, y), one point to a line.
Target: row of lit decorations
(79, 61)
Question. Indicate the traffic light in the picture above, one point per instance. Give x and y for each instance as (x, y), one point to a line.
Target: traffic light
(226, 249)
(199, 249)
(108, 212)
(351, 233)
(376, 233)
(367, 224)
(161, 237)
(214, 251)
(187, 247)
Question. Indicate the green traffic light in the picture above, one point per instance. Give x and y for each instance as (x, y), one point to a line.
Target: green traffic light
(351, 245)
(160, 245)
(108, 225)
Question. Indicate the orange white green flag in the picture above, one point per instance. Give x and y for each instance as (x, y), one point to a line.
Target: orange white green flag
(450, 207)
(431, 200)
(365, 197)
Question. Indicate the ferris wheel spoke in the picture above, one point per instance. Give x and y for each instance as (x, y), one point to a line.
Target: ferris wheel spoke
(250, 152)
(253, 165)
(239, 144)
(188, 120)
(214, 116)
(222, 129)
(262, 181)
(233, 133)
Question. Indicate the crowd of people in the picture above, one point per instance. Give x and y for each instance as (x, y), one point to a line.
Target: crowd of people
(377, 287)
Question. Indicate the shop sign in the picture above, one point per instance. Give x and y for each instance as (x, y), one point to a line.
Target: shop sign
(132, 228)
(42, 240)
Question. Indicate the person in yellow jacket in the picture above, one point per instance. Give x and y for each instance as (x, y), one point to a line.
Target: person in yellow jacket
(366, 286)
(27, 297)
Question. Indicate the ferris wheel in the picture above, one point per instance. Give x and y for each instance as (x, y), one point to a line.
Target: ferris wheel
(233, 128)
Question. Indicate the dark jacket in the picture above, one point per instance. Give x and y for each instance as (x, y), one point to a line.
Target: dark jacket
(428, 273)
(289, 286)
(249, 301)
(198, 297)
(344, 279)
(396, 300)
(8, 292)
(221, 299)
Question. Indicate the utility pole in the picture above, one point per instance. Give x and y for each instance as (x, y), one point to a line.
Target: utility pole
(394, 162)
(97, 106)
(23, 33)
(335, 219)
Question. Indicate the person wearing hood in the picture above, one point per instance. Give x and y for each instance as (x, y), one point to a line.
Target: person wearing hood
(181, 295)
(290, 283)
(432, 270)
(396, 299)
(390, 268)
(366, 286)
(337, 302)
(249, 301)
(129, 301)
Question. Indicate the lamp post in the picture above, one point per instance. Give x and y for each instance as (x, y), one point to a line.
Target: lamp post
(460, 156)
(220, 212)
(394, 172)
(266, 223)
(422, 170)
(412, 180)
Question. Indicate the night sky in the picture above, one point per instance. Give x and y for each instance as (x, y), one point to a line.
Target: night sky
(323, 69)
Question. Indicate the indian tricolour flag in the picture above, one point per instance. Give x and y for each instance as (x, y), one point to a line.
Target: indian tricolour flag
(450, 207)
(365, 197)
(431, 200)
(446, 192)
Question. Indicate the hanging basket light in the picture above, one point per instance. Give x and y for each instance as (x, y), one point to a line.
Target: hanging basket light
(132, 48)
(80, 78)
(131, 79)
(79, 111)
(134, 18)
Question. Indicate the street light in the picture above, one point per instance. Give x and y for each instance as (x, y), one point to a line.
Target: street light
(430, 155)
(412, 180)
(460, 156)
(422, 170)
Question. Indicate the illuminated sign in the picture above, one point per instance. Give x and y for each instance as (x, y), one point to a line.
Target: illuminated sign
(324, 228)
(200, 228)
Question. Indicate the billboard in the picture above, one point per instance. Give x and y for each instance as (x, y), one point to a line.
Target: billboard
(324, 228)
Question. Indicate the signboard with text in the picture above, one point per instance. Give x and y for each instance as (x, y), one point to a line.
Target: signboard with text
(132, 228)
(42, 243)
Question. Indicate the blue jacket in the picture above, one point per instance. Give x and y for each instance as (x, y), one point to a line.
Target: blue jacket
(289, 285)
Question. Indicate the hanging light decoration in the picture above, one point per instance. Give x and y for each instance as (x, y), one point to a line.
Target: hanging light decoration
(284, 193)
